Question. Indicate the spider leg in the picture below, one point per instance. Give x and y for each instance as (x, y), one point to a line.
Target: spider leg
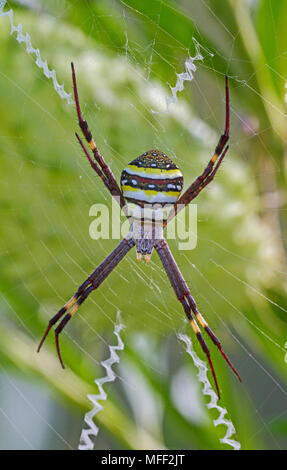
(179, 285)
(92, 162)
(67, 317)
(209, 331)
(111, 182)
(184, 296)
(202, 180)
(200, 338)
(90, 284)
(193, 194)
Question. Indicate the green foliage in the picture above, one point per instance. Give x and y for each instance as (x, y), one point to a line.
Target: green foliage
(126, 53)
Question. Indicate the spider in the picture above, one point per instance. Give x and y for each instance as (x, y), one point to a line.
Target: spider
(151, 180)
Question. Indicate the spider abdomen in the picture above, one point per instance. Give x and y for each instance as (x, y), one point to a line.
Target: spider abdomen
(152, 178)
(151, 184)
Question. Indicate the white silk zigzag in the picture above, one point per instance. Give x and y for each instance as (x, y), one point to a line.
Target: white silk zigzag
(25, 38)
(207, 390)
(182, 77)
(86, 442)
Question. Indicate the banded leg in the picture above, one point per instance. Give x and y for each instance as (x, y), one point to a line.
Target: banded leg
(209, 331)
(193, 194)
(107, 174)
(184, 296)
(201, 181)
(90, 284)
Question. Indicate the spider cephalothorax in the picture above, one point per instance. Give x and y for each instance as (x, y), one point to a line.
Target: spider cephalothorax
(150, 185)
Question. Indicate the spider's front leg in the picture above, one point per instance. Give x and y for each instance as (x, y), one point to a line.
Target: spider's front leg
(184, 296)
(99, 164)
(90, 284)
(210, 170)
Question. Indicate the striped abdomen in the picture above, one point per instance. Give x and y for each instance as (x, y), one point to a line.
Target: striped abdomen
(152, 178)
(151, 184)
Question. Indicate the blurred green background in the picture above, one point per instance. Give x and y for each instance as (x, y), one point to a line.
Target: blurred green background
(127, 54)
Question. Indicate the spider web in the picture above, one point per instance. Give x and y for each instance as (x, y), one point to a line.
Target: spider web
(48, 190)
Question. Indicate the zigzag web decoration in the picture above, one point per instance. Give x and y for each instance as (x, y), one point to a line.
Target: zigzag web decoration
(86, 442)
(25, 38)
(186, 76)
(207, 390)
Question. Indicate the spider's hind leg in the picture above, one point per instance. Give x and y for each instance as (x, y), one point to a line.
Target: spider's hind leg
(69, 305)
(184, 296)
(209, 331)
(200, 338)
(90, 284)
(54, 320)
(180, 288)
(69, 315)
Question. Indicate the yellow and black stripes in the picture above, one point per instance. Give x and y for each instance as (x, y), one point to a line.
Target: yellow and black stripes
(152, 178)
